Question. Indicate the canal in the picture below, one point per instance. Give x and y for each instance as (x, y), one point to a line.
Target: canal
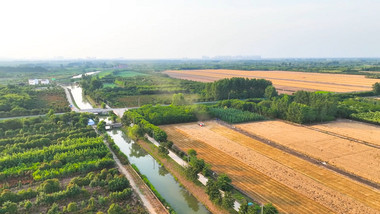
(181, 200)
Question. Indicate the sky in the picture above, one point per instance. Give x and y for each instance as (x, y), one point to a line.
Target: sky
(160, 29)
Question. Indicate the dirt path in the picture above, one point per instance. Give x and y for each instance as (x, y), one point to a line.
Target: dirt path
(144, 189)
(174, 169)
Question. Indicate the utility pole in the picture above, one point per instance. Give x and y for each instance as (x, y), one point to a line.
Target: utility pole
(262, 208)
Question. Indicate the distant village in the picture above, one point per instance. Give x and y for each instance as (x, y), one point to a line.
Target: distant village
(39, 81)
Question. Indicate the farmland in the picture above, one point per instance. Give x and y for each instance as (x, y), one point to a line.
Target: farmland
(348, 155)
(57, 163)
(285, 81)
(28, 100)
(352, 129)
(267, 174)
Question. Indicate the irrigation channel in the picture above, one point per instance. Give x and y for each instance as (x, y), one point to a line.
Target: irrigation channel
(178, 197)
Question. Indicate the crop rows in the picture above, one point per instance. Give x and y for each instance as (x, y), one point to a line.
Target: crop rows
(257, 185)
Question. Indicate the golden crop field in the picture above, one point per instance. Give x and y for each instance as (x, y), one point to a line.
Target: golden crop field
(285, 81)
(269, 174)
(345, 154)
(353, 129)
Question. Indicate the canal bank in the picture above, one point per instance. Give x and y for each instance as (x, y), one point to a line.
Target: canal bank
(180, 199)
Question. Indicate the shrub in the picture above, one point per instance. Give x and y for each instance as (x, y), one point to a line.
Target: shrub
(28, 205)
(50, 186)
(162, 150)
(72, 207)
(54, 209)
(115, 209)
(80, 181)
(118, 184)
(119, 196)
(9, 207)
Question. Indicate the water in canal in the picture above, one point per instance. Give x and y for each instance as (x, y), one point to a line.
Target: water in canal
(81, 101)
(178, 197)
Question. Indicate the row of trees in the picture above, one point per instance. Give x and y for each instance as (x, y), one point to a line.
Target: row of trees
(235, 88)
(303, 107)
(232, 115)
(30, 155)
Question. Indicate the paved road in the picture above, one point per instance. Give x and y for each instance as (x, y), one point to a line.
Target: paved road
(19, 117)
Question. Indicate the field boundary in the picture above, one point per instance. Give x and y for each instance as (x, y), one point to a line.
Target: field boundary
(303, 156)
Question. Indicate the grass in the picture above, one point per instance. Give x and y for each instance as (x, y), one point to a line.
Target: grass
(91, 101)
(127, 73)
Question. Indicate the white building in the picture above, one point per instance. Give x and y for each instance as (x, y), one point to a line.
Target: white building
(33, 81)
(45, 82)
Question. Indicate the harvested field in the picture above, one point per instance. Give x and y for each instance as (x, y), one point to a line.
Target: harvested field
(285, 81)
(345, 154)
(352, 129)
(317, 183)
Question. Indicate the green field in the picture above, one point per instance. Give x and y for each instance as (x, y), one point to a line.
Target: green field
(127, 73)
(133, 101)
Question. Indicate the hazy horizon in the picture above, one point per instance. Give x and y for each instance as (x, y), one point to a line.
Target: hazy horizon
(177, 29)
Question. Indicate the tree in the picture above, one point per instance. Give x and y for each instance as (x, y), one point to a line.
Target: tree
(72, 207)
(50, 186)
(113, 116)
(192, 153)
(10, 207)
(228, 200)
(191, 173)
(243, 207)
(101, 126)
(270, 92)
(270, 209)
(376, 88)
(50, 113)
(91, 204)
(95, 84)
(135, 131)
(28, 205)
(224, 182)
(213, 192)
(118, 184)
(54, 209)
(115, 209)
(162, 150)
(103, 105)
(178, 99)
(198, 164)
